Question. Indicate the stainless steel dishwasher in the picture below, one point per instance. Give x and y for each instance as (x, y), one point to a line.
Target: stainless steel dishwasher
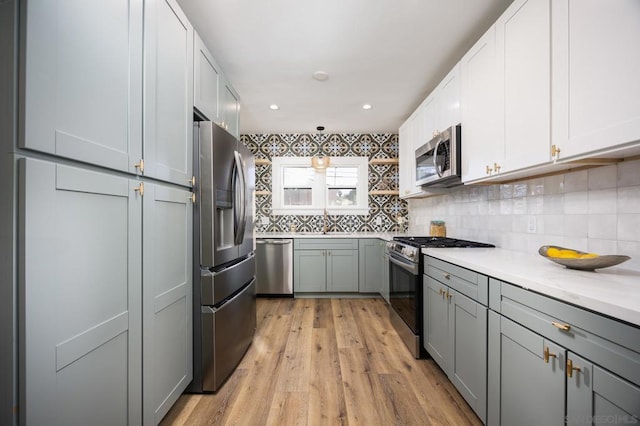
(274, 267)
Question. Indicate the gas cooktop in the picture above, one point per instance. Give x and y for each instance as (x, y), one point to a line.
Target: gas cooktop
(439, 242)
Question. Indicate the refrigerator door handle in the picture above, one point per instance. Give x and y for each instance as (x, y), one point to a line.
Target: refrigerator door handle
(238, 202)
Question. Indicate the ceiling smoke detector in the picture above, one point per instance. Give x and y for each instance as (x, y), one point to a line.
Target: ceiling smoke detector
(321, 75)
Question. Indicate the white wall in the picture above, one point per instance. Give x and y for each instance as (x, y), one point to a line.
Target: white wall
(596, 210)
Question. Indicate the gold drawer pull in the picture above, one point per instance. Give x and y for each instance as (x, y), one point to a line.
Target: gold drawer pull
(546, 354)
(571, 368)
(447, 276)
(563, 327)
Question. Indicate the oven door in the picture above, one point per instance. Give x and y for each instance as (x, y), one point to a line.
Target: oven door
(404, 283)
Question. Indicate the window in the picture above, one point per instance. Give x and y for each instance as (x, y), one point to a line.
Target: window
(298, 188)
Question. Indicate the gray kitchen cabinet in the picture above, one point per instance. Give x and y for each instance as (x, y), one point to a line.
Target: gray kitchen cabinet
(309, 271)
(166, 298)
(206, 81)
(384, 289)
(596, 358)
(83, 81)
(168, 100)
(325, 265)
(455, 328)
(80, 351)
(230, 109)
(371, 274)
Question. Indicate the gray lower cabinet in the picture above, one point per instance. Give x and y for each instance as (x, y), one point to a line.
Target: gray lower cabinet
(384, 289)
(166, 298)
(455, 328)
(325, 265)
(550, 362)
(370, 252)
(80, 296)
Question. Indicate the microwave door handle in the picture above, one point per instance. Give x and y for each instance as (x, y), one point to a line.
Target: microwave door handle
(435, 158)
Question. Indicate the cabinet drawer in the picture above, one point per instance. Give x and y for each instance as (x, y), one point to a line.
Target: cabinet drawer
(467, 282)
(609, 343)
(325, 243)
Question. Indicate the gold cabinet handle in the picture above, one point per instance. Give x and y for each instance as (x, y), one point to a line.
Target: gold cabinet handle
(496, 167)
(447, 276)
(140, 189)
(140, 165)
(546, 354)
(440, 292)
(192, 181)
(571, 368)
(563, 327)
(554, 151)
(489, 170)
(192, 197)
(449, 295)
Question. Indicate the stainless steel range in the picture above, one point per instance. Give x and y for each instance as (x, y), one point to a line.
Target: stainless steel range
(405, 284)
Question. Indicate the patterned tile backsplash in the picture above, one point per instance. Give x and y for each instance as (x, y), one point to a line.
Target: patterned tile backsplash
(596, 210)
(384, 210)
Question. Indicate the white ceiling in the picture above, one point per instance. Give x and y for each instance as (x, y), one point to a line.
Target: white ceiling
(388, 53)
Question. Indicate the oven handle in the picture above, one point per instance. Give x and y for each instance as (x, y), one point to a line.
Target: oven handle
(412, 268)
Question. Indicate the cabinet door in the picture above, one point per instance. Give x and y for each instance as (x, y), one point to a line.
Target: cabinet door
(468, 335)
(342, 270)
(436, 323)
(406, 160)
(448, 93)
(531, 390)
(427, 124)
(595, 68)
(168, 102)
(167, 298)
(523, 35)
(206, 82)
(384, 290)
(309, 270)
(230, 110)
(594, 395)
(370, 274)
(83, 81)
(80, 296)
(482, 135)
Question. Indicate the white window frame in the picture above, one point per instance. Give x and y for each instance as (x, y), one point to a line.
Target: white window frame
(319, 189)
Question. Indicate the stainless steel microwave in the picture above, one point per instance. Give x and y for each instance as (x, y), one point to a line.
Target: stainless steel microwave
(438, 161)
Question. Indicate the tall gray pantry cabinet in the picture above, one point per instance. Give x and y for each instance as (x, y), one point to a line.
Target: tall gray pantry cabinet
(96, 246)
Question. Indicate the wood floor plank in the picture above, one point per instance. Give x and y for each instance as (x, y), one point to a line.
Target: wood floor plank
(327, 361)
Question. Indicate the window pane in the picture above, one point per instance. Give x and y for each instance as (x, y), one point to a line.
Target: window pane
(298, 177)
(342, 176)
(341, 196)
(297, 196)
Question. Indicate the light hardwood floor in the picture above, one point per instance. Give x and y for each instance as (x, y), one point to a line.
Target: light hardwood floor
(327, 361)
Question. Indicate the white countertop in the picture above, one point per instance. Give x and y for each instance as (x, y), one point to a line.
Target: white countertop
(611, 291)
(382, 236)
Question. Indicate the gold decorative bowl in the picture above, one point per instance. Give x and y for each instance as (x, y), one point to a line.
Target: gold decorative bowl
(587, 264)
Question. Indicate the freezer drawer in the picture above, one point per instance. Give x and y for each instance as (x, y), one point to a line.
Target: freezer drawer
(274, 266)
(218, 285)
(226, 335)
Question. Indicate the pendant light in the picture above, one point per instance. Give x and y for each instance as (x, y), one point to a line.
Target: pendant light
(320, 162)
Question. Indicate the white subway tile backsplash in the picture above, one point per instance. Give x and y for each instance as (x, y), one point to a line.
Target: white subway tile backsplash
(629, 199)
(575, 202)
(602, 202)
(603, 177)
(629, 173)
(576, 181)
(629, 227)
(594, 210)
(603, 226)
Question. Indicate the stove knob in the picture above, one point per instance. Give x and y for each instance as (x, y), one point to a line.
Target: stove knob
(411, 254)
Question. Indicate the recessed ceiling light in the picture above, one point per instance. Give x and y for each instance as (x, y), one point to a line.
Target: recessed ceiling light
(274, 107)
(366, 106)
(321, 75)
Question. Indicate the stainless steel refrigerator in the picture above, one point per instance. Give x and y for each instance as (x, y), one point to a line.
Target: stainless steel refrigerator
(224, 274)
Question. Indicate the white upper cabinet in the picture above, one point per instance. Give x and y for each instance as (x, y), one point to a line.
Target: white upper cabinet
(595, 69)
(206, 82)
(448, 93)
(83, 81)
(230, 110)
(407, 157)
(524, 63)
(168, 100)
(482, 136)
